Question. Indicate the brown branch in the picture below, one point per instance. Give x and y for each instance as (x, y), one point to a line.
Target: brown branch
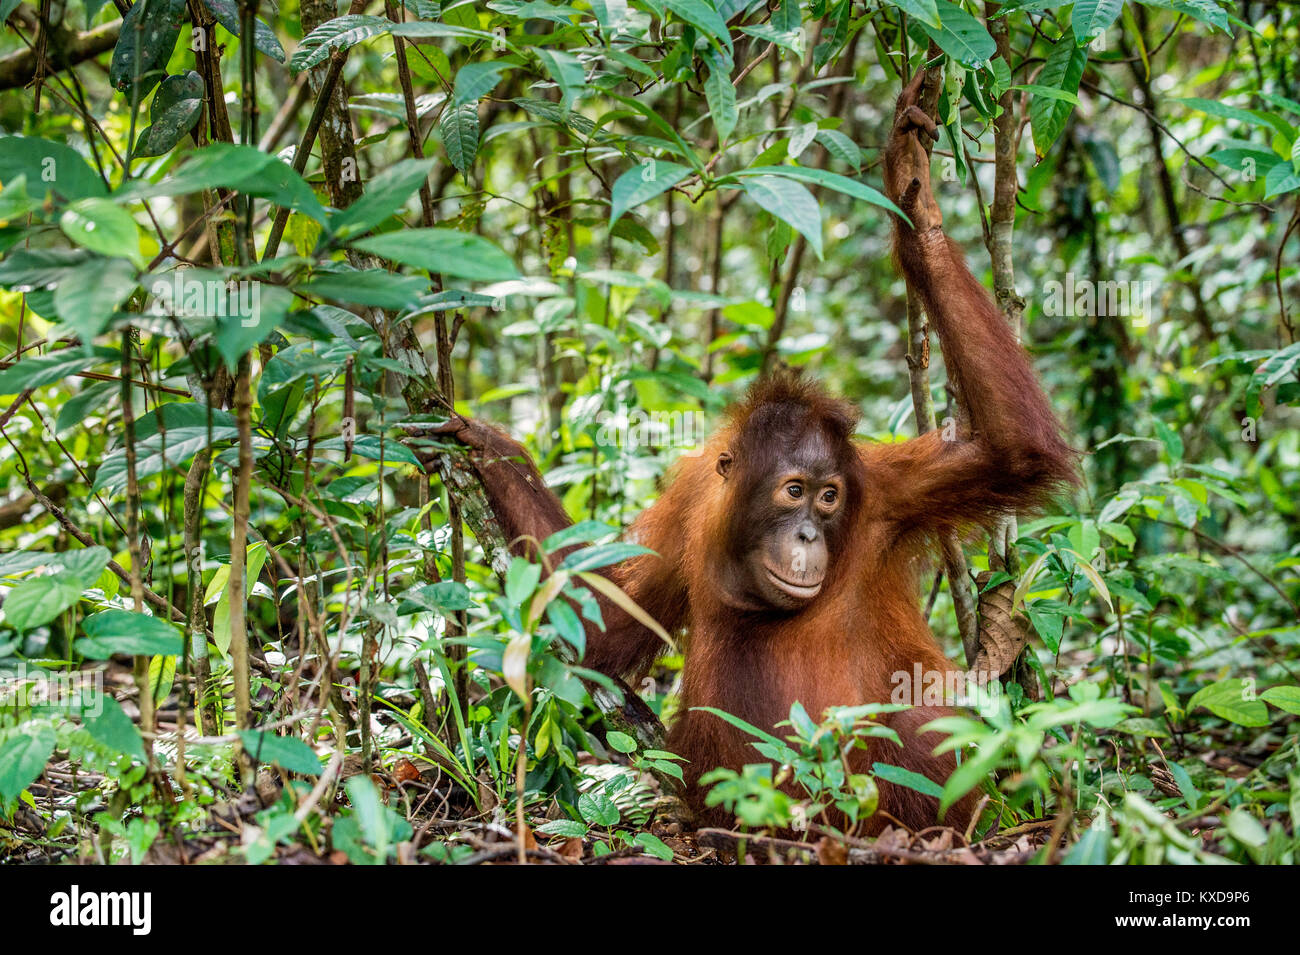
(64, 49)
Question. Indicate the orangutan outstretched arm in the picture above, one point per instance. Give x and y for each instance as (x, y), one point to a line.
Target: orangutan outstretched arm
(530, 512)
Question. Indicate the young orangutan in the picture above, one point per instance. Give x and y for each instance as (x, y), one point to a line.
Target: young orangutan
(791, 553)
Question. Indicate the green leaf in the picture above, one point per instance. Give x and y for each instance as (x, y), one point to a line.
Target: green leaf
(566, 623)
(157, 452)
(1091, 18)
(721, 95)
(384, 196)
(827, 180)
(1093, 845)
(475, 80)
(703, 15)
(107, 723)
(120, 631)
(602, 555)
(86, 305)
(597, 808)
(653, 845)
(642, 183)
(960, 35)
(1062, 71)
(521, 580)
(923, 10)
(568, 828)
(1246, 829)
(737, 722)
(1207, 11)
(241, 168)
(102, 226)
(789, 202)
(23, 759)
(339, 33)
(346, 32)
(906, 778)
(289, 752)
(230, 15)
(175, 109)
(1281, 179)
(620, 742)
(47, 369)
(840, 146)
(583, 532)
(91, 399)
(40, 599)
(149, 33)
(368, 446)
(567, 71)
(459, 129)
(1283, 697)
(48, 166)
(219, 587)
(369, 287)
(444, 251)
(1231, 700)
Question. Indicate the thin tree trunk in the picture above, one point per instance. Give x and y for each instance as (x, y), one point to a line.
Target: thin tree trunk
(236, 587)
(196, 633)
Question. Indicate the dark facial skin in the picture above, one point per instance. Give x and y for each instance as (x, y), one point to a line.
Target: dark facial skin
(795, 510)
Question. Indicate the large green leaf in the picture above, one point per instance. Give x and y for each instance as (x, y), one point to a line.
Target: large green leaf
(48, 166)
(23, 757)
(102, 226)
(39, 600)
(827, 180)
(289, 752)
(385, 195)
(1062, 72)
(373, 287)
(121, 631)
(1232, 700)
(567, 71)
(1091, 18)
(149, 32)
(230, 15)
(345, 32)
(86, 304)
(1283, 697)
(156, 453)
(445, 251)
(175, 109)
(721, 95)
(642, 183)
(791, 203)
(459, 129)
(242, 168)
(703, 15)
(923, 10)
(46, 369)
(103, 717)
(961, 35)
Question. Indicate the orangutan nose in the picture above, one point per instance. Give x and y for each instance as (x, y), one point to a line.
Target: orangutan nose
(807, 532)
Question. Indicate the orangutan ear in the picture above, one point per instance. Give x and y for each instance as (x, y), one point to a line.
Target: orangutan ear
(724, 464)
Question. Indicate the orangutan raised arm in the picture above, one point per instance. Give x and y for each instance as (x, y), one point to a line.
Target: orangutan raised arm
(1010, 453)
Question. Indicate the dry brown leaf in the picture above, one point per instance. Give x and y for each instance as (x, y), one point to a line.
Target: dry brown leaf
(530, 840)
(1002, 633)
(830, 852)
(404, 771)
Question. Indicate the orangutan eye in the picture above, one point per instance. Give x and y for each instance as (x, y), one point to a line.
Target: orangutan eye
(829, 495)
(794, 490)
